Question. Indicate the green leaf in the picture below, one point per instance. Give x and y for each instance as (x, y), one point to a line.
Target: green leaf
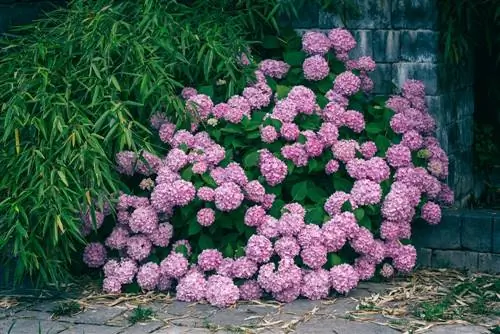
(270, 42)
(282, 91)
(382, 144)
(205, 241)
(374, 128)
(294, 58)
(334, 259)
(194, 227)
(207, 90)
(366, 222)
(315, 193)
(315, 215)
(187, 173)
(341, 184)
(251, 159)
(228, 251)
(359, 213)
(209, 181)
(299, 191)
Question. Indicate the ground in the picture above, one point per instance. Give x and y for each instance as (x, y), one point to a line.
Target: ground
(425, 302)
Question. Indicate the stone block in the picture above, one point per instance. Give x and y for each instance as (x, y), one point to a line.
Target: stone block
(31, 326)
(370, 15)
(465, 133)
(329, 20)
(414, 14)
(438, 108)
(419, 45)
(425, 72)
(91, 329)
(382, 78)
(489, 263)
(386, 45)
(477, 229)
(424, 257)
(496, 234)
(455, 259)
(445, 235)
(464, 103)
(308, 17)
(364, 40)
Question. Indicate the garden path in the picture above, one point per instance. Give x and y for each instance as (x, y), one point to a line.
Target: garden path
(426, 302)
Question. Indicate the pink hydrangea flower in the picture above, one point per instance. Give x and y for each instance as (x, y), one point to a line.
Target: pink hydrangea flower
(268, 134)
(157, 120)
(304, 98)
(175, 265)
(333, 113)
(161, 236)
(347, 83)
(192, 287)
(328, 133)
(210, 259)
(431, 212)
(368, 149)
(188, 92)
(259, 249)
(310, 235)
(343, 278)
(274, 68)
(287, 247)
(243, 267)
(365, 192)
(118, 238)
(289, 131)
(387, 270)
(334, 203)
(342, 40)
(413, 140)
(354, 120)
(94, 255)
(143, 220)
(363, 241)
(315, 68)
(399, 156)
(255, 191)
(273, 169)
(290, 224)
(331, 167)
(200, 106)
(228, 196)
(254, 216)
(314, 256)
(257, 98)
(405, 258)
(206, 194)
(205, 217)
(398, 104)
(316, 284)
(315, 43)
(139, 247)
(166, 175)
(345, 150)
(296, 153)
(269, 227)
(285, 110)
(364, 267)
(111, 285)
(148, 276)
(221, 291)
(250, 290)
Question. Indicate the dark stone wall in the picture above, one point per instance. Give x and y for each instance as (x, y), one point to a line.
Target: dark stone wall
(15, 12)
(402, 37)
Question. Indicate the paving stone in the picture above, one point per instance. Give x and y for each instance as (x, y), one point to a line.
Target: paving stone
(455, 259)
(90, 329)
(342, 326)
(183, 330)
(386, 45)
(445, 235)
(236, 316)
(477, 229)
(489, 262)
(338, 307)
(32, 326)
(145, 327)
(96, 315)
(458, 329)
(179, 308)
(301, 306)
(419, 45)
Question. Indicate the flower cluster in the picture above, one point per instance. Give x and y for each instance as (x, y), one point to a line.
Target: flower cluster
(233, 178)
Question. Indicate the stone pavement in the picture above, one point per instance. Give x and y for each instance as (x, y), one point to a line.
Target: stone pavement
(111, 316)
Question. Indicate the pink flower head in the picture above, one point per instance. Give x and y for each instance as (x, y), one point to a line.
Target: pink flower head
(210, 259)
(365, 192)
(347, 223)
(314, 256)
(354, 120)
(331, 167)
(345, 150)
(125, 271)
(181, 192)
(285, 110)
(363, 241)
(182, 246)
(254, 216)
(243, 267)
(315, 68)
(176, 159)
(334, 203)
(228, 196)
(221, 291)
(257, 98)
(398, 104)
(342, 40)
(200, 106)
(188, 92)
(148, 276)
(337, 98)
(89, 224)
(192, 287)
(446, 195)
(94, 255)
(315, 43)
(334, 113)
(255, 191)
(413, 88)
(268, 134)
(400, 123)
(310, 235)
(226, 267)
(206, 194)
(143, 220)
(377, 170)
(399, 156)
(290, 224)
(366, 64)
(431, 212)
(294, 208)
(295, 152)
(287, 247)
(328, 133)
(205, 217)
(304, 98)
(175, 265)
(138, 247)
(274, 68)
(413, 140)
(220, 110)
(157, 120)
(343, 278)
(126, 161)
(404, 258)
(273, 169)
(166, 132)
(161, 236)
(289, 131)
(166, 175)
(250, 290)
(148, 163)
(268, 201)
(313, 146)
(259, 249)
(111, 285)
(347, 83)
(364, 267)
(269, 227)
(118, 238)
(387, 270)
(240, 103)
(391, 230)
(316, 284)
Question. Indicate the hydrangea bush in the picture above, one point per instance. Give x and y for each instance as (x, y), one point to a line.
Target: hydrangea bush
(303, 185)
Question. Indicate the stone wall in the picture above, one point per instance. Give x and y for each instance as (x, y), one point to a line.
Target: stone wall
(15, 12)
(463, 240)
(402, 37)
